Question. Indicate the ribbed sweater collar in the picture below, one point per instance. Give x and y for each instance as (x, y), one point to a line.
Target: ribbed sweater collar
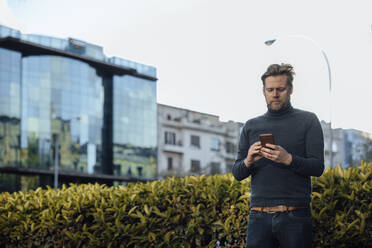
(280, 113)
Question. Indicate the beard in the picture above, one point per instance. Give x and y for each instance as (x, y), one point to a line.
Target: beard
(276, 107)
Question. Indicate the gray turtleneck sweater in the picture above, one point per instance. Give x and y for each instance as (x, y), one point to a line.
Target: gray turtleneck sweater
(300, 134)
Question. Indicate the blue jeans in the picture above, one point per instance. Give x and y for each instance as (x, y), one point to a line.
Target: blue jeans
(291, 229)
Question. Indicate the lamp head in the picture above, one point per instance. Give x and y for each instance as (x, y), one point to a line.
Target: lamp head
(269, 42)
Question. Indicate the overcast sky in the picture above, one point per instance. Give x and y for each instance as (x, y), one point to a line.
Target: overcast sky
(210, 55)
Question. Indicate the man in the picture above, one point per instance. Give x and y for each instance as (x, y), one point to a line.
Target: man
(280, 173)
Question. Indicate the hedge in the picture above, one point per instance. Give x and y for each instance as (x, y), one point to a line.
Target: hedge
(203, 211)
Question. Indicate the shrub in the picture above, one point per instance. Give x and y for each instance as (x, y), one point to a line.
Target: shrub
(177, 212)
(342, 207)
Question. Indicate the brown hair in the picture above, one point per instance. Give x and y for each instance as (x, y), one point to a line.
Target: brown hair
(276, 70)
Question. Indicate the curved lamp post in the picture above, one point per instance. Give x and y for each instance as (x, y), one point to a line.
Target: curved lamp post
(270, 42)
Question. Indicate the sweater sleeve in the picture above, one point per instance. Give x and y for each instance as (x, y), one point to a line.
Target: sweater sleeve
(313, 162)
(239, 170)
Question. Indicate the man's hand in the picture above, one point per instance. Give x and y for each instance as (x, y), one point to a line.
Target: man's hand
(254, 154)
(277, 154)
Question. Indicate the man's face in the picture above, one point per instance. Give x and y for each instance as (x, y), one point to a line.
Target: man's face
(276, 92)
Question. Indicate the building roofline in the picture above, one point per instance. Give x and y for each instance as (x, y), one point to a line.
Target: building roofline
(364, 133)
(188, 110)
(29, 48)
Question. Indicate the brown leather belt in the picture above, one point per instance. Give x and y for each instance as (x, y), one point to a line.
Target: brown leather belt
(280, 208)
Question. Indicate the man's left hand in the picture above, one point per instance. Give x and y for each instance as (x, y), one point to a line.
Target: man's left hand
(277, 154)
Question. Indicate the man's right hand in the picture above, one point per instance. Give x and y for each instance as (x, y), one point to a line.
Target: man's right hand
(253, 154)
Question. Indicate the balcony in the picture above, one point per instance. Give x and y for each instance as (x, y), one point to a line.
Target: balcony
(175, 148)
(231, 156)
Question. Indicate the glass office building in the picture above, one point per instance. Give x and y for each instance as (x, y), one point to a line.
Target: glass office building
(63, 102)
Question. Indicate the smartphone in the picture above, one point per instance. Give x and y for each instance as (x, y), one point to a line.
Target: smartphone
(266, 138)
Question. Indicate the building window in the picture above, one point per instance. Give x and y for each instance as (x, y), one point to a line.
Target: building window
(170, 163)
(117, 169)
(170, 138)
(195, 166)
(195, 141)
(230, 147)
(215, 168)
(169, 117)
(139, 169)
(215, 144)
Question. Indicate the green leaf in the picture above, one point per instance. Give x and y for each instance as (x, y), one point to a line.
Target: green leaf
(147, 210)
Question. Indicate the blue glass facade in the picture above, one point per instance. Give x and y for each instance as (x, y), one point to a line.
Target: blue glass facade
(135, 139)
(10, 106)
(103, 119)
(62, 99)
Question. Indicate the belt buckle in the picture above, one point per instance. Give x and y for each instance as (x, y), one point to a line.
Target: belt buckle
(269, 211)
(279, 209)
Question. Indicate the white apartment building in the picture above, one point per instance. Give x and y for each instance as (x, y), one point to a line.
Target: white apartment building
(349, 146)
(190, 142)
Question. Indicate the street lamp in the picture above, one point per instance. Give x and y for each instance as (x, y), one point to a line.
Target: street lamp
(270, 42)
(56, 141)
